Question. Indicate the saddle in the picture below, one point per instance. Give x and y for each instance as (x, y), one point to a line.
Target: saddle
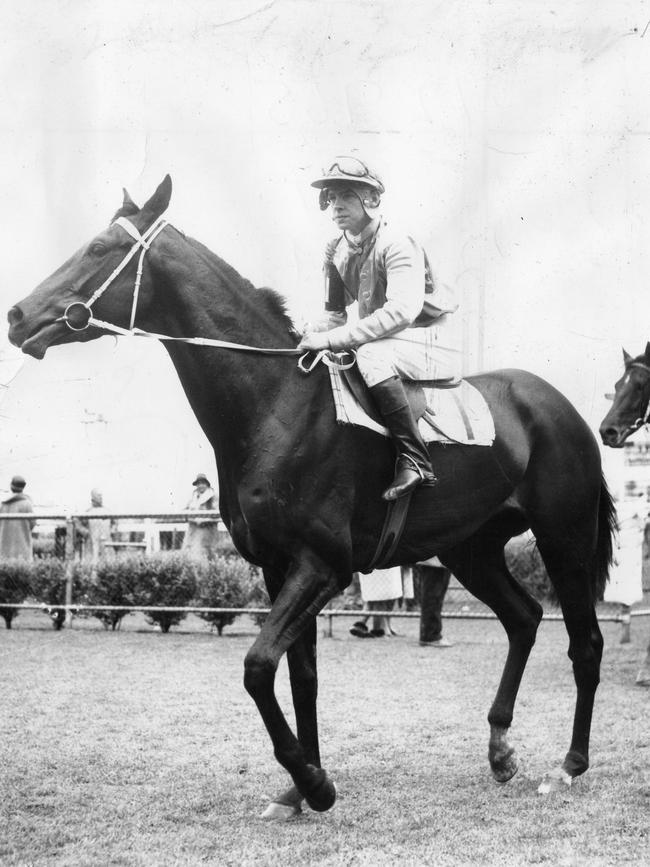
(450, 411)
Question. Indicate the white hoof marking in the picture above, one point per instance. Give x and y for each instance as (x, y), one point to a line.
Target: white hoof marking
(558, 780)
(280, 812)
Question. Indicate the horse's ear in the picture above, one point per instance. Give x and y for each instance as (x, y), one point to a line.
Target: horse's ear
(626, 358)
(128, 202)
(647, 352)
(128, 208)
(159, 202)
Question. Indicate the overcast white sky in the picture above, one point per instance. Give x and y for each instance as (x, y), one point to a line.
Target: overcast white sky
(513, 137)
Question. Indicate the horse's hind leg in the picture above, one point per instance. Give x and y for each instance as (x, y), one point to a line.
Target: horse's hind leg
(479, 563)
(567, 562)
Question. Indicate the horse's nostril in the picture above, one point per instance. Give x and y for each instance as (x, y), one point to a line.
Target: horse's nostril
(15, 315)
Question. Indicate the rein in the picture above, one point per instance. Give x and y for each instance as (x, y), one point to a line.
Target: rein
(142, 243)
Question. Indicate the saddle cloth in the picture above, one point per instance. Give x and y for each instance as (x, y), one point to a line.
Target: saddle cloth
(449, 413)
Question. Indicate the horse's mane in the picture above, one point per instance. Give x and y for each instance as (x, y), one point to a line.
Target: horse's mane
(271, 303)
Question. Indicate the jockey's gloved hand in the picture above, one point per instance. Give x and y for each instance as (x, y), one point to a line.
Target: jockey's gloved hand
(325, 323)
(314, 341)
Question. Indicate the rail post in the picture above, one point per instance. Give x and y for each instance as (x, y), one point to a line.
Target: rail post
(69, 567)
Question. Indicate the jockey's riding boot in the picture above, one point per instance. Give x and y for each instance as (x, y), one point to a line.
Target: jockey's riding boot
(413, 466)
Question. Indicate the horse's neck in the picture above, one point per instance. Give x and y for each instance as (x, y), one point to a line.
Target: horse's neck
(230, 391)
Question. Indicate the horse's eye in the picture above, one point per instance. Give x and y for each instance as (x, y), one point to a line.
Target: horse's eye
(97, 249)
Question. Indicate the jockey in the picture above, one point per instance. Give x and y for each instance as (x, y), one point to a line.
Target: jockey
(402, 330)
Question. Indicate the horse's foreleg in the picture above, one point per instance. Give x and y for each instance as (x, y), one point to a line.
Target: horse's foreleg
(303, 676)
(309, 585)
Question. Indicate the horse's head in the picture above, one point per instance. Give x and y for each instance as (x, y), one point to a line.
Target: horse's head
(631, 404)
(97, 281)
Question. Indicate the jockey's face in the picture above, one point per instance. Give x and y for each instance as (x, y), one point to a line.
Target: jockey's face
(348, 211)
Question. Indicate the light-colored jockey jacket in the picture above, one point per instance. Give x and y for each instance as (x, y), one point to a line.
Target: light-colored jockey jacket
(388, 273)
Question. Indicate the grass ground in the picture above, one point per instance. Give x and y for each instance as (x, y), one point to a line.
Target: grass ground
(137, 748)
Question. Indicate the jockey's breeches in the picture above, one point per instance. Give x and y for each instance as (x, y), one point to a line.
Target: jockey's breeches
(414, 353)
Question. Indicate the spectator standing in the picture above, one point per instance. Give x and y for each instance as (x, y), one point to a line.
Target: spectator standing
(433, 579)
(16, 536)
(625, 584)
(95, 533)
(202, 533)
(380, 590)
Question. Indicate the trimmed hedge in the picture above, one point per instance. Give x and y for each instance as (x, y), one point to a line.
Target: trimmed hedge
(113, 584)
(49, 582)
(168, 578)
(15, 586)
(223, 582)
(526, 565)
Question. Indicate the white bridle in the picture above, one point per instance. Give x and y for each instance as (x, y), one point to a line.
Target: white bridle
(142, 243)
(641, 420)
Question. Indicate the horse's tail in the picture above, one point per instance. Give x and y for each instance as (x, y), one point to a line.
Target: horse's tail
(607, 527)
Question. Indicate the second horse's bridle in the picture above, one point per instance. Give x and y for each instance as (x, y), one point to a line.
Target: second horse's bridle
(645, 419)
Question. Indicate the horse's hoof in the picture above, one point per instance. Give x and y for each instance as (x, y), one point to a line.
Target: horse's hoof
(505, 767)
(280, 812)
(556, 781)
(643, 678)
(323, 794)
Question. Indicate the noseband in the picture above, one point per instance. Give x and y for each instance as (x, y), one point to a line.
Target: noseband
(142, 243)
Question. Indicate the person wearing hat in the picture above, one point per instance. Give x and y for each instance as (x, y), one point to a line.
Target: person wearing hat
(202, 533)
(16, 536)
(94, 533)
(403, 328)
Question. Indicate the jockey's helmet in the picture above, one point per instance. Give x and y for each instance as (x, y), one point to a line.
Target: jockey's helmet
(348, 170)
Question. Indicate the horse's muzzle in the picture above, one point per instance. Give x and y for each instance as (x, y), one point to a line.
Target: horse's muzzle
(613, 437)
(15, 317)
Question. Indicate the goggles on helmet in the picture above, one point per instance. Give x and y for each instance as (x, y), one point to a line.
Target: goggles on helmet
(347, 170)
(352, 166)
(352, 170)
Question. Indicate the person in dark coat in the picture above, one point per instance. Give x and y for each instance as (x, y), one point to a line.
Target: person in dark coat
(16, 536)
(433, 579)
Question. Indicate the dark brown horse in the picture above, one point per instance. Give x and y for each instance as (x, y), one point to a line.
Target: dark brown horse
(630, 411)
(301, 495)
